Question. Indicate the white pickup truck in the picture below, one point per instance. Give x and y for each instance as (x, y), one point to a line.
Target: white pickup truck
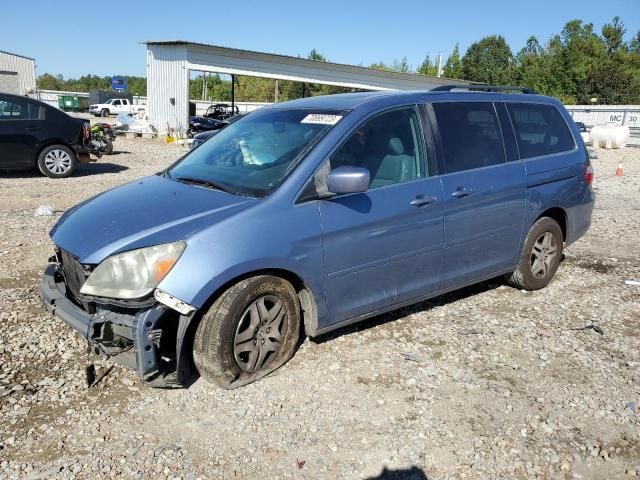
(114, 106)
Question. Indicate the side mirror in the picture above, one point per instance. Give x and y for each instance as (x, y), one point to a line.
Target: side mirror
(348, 180)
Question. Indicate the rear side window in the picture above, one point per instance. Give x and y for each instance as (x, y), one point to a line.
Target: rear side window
(20, 110)
(470, 135)
(540, 129)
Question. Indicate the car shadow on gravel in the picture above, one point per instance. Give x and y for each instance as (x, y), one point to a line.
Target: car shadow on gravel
(413, 473)
(425, 306)
(119, 152)
(98, 168)
(83, 170)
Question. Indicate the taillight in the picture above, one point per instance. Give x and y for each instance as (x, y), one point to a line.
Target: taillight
(85, 131)
(588, 172)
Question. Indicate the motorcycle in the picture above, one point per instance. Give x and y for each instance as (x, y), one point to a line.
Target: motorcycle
(102, 138)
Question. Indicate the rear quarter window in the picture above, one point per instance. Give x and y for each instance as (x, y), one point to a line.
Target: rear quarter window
(540, 129)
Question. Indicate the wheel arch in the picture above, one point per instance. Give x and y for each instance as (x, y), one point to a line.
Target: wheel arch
(50, 142)
(306, 295)
(559, 215)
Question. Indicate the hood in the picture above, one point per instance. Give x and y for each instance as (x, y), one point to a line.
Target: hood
(149, 211)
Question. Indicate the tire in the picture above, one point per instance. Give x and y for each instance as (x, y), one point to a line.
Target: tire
(57, 161)
(226, 348)
(540, 256)
(108, 150)
(105, 112)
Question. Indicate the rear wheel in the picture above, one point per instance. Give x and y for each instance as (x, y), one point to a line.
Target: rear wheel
(108, 149)
(57, 161)
(540, 256)
(248, 332)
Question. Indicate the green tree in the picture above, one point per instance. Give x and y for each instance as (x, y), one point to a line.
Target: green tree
(453, 65)
(533, 68)
(611, 84)
(427, 67)
(401, 65)
(613, 34)
(317, 56)
(634, 44)
(47, 81)
(582, 51)
(396, 66)
(488, 60)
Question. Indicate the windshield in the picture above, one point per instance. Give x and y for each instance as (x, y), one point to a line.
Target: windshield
(109, 102)
(254, 155)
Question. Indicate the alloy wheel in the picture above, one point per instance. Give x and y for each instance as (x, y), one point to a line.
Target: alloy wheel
(260, 333)
(543, 254)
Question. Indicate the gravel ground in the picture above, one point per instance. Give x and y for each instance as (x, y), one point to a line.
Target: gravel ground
(487, 382)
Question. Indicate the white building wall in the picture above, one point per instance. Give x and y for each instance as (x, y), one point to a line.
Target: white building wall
(25, 68)
(167, 79)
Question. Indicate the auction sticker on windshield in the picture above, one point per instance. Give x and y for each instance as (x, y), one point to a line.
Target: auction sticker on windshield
(321, 118)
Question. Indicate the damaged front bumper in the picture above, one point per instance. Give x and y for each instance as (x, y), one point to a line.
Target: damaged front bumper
(150, 339)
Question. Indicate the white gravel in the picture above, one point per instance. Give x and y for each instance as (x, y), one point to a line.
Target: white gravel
(487, 382)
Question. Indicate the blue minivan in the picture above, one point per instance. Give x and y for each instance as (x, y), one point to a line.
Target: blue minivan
(310, 215)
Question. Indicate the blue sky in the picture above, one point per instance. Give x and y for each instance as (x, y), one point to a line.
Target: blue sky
(73, 37)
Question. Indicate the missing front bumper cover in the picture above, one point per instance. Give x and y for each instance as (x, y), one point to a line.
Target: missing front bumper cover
(149, 339)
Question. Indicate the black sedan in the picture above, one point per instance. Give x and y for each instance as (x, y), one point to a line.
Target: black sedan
(34, 134)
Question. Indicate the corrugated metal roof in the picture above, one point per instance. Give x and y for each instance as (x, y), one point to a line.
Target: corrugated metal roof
(169, 64)
(16, 55)
(356, 68)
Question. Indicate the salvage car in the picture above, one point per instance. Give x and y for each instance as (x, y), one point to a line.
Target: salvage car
(198, 124)
(310, 215)
(221, 111)
(36, 135)
(200, 138)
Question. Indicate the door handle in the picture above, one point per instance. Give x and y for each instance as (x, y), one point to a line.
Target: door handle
(462, 192)
(421, 200)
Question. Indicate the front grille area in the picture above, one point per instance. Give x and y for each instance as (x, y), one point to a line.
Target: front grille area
(74, 273)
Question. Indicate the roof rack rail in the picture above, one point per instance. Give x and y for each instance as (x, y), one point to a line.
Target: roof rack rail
(484, 88)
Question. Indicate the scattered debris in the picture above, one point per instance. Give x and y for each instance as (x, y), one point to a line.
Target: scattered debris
(90, 374)
(469, 331)
(412, 357)
(635, 283)
(300, 463)
(44, 211)
(631, 406)
(593, 327)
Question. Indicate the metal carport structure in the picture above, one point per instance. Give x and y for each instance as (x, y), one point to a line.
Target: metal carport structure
(169, 64)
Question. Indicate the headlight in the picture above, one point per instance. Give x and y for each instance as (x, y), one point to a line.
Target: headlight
(133, 274)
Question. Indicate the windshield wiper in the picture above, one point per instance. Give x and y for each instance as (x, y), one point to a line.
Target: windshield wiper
(205, 183)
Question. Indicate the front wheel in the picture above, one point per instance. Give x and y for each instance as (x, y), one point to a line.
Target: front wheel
(105, 112)
(540, 256)
(108, 145)
(248, 332)
(57, 161)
